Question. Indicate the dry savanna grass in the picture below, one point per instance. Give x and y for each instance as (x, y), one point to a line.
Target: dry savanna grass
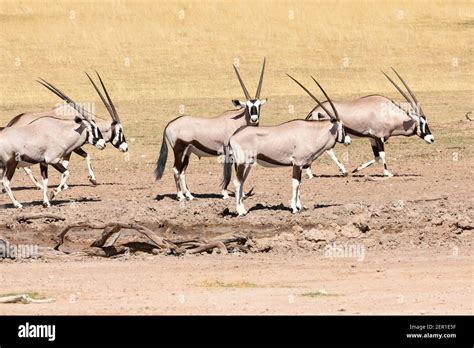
(163, 58)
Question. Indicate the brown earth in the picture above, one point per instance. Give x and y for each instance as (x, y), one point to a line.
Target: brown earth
(415, 229)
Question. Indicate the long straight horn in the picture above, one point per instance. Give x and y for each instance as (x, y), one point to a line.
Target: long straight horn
(329, 99)
(408, 89)
(86, 114)
(259, 89)
(399, 89)
(101, 97)
(112, 106)
(247, 95)
(312, 96)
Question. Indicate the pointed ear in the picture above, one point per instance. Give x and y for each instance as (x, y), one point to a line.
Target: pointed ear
(238, 103)
(263, 101)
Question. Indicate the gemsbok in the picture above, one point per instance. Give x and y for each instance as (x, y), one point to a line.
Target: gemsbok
(45, 140)
(378, 118)
(206, 136)
(112, 131)
(295, 143)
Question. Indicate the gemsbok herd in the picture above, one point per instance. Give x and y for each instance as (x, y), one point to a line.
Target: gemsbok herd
(50, 137)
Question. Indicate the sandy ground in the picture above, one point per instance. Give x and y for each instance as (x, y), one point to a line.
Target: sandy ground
(417, 250)
(429, 281)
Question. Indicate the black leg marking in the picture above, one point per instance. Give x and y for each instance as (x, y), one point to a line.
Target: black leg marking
(44, 170)
(380, 145)
(80, 152)
(59, 167)
(297, 173)
(375, 148)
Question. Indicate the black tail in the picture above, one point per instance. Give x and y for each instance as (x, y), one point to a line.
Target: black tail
(161, 163)
(227, 167)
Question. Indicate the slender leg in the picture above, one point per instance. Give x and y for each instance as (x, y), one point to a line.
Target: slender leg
(295, 201)
(239, 184)
(309, 173)
(177, 177)
(65, 164)
(225, 194)
(91, 176)
(182, 178)
(85, 155)
(332, 155)
(6, 179)
(44, 175)
(228, 159)
(32, 177)
(381, 149)
(375, 149)
(298, 197)
(60, 168)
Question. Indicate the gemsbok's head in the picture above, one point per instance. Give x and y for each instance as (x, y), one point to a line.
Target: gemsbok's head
(86, 120)
(117, 135)
(414, 112)
(342, 137)
(251, 105)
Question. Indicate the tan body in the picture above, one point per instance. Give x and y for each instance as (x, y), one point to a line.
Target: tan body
(378, 118)
(45, 140)
(206, 136)
(202, 136)
(373, 116)
(111, 131)
(295, 143)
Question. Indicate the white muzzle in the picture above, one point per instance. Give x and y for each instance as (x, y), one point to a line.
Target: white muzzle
(123, 147)
(429, 138)
(347, 140)
(100, 144)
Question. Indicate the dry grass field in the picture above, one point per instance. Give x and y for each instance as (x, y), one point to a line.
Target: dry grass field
(163, 58)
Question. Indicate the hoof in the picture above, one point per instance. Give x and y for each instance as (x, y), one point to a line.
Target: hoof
(46, 205)
(189, 197)
(388, 174)
(295, 210)
(93, 180)
(39, 187)
(345, 174)
(242, 212)
(18, 205)
(180, 198)
(65, 187)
